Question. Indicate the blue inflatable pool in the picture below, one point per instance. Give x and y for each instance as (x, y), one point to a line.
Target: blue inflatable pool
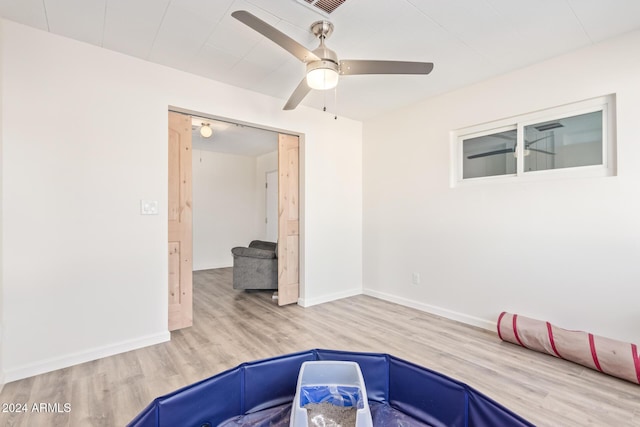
(261, 392)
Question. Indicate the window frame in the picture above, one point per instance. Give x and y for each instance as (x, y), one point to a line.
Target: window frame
(606, 104)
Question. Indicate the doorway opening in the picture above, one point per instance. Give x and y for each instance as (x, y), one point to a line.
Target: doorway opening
(229, 198)
(237, 197)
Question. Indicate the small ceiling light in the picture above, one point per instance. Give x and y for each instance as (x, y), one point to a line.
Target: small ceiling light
(322, 75)
(205, 130)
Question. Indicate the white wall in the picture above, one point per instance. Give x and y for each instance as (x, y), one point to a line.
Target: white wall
(265, 163)
(1, 228)
(85, 138)
(225, 207)
(562, 250)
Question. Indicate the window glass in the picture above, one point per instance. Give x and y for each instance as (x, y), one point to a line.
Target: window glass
(489, 155)
(564, 143)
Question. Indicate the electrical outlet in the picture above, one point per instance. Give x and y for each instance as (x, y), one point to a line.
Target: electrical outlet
(415, 279)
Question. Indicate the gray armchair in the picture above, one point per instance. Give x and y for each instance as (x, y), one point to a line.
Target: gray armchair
(255, 267)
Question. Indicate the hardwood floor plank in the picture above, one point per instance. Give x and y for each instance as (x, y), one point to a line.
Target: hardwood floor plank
(231, 327)
(91, 400)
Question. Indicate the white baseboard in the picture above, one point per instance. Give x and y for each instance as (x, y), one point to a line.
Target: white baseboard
(428, 308)
(49, 365)
(308, 302)
(438, 311)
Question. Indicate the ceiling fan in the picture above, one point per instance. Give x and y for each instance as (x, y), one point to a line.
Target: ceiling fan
(323, 66)
(527, 148)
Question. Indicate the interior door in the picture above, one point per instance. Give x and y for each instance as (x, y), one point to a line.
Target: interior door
(180, 222)
(288, 220)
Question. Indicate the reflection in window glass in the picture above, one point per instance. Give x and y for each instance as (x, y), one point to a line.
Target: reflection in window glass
(489, 155)
(564, 143)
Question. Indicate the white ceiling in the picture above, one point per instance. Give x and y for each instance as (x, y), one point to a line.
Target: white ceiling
(468, 40)
(233, 138)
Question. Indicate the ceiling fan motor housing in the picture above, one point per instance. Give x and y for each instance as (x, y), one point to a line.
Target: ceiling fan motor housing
(326, 69)
(324, 64)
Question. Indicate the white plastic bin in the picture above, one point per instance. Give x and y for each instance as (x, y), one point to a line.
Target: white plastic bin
(337, 382)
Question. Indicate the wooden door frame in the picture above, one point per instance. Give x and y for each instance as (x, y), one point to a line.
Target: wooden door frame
(301, 179)
(288, 219)
(180, 222)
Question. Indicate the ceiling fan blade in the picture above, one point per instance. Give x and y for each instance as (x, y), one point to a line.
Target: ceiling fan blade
(275, 35)
(357, 66)
(541, 151)
(491, 153)
(298, 95)
(528, 143)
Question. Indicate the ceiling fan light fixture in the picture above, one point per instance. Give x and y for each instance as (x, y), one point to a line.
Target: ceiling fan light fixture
(322, 75)
(206, 131)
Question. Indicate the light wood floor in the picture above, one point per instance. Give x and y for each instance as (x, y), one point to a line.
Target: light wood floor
(231, 327)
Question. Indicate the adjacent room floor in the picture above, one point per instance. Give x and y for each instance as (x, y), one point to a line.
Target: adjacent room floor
(231, 327)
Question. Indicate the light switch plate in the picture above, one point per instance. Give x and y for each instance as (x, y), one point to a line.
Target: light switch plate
(148, 207)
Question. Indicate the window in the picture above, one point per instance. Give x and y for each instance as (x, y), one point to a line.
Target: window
(490, 155)
(572, 139)
(565, 143)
